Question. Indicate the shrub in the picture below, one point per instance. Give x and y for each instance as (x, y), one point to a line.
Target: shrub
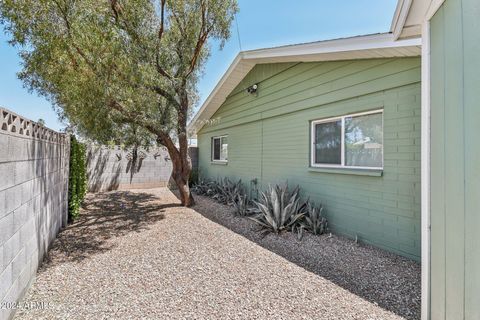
(279, 209)
(77, 178)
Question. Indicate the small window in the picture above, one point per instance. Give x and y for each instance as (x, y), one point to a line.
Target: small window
(350, 141)
(220, 149)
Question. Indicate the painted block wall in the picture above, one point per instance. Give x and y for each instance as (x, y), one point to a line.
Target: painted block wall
(33, 200)
(268, 137)
(455, 161)
(114, 168)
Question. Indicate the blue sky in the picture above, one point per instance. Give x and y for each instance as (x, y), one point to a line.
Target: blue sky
(261, 23)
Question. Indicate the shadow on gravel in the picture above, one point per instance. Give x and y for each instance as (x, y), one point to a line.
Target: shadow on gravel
(105, 216)
(383, 278)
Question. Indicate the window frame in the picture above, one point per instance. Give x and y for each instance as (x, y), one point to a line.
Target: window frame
(342, 165)
(212, 144)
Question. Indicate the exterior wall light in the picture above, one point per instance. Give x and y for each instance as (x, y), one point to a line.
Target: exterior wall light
(253, 89)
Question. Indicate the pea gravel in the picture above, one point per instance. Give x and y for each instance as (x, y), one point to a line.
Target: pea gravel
(138, 255)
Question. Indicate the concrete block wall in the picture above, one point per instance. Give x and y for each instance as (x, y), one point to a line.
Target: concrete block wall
(116, 169)
(33, 200)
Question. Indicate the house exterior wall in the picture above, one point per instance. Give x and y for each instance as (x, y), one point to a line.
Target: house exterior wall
(269, 140)
(455, 161)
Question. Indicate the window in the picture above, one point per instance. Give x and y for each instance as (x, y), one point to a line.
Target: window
(220, 149)
(350, 141)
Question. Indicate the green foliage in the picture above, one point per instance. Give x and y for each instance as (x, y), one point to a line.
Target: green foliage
(280, 209)
(227, 192)
(313, 220)
(242, 206)
(110, 66)
(77, 180)
(107, 65)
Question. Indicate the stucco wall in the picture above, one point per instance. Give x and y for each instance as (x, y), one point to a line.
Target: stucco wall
(269, 140)
(33, 200)
(116, 169)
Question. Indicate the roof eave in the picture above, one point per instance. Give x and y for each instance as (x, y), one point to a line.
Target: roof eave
(357, 47)
(400, 18)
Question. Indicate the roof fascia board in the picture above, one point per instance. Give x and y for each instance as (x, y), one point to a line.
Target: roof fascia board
(402, 12)
(400, 17)
(433, 8)
(218, 87)
(379, 41)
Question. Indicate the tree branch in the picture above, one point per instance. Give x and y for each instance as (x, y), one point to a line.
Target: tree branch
(161, 70)
(128, 117)
(202, 37)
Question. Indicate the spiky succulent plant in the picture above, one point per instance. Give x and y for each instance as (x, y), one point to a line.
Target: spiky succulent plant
(279, 209)
(313, 221)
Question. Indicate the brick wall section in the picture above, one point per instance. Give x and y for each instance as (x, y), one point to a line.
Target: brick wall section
(33, 200)
(113, 168)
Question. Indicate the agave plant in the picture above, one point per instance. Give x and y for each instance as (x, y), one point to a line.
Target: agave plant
(226, 191)
(242, 206)
(200, 187)
(313, 220)
(279, 209)
(233, 190)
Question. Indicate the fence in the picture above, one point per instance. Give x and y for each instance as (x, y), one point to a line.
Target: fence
(118, 169)
(33, 200)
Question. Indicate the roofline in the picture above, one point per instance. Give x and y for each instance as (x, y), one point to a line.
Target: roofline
(400, 17)
(302, 52)
(212, 94)
(370, 41)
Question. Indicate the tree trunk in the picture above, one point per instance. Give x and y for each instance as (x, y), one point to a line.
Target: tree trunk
(181, 169)
(181, 176)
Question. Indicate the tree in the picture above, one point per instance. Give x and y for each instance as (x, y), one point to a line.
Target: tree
(41, 122)
(107, 64)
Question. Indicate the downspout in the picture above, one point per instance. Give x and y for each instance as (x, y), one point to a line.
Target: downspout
(425, 171)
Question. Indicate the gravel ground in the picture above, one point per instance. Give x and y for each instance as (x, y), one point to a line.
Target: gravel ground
(138, 255)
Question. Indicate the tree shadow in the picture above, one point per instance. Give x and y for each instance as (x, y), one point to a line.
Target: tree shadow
(385, 279)
(97, 165)
(103, 217)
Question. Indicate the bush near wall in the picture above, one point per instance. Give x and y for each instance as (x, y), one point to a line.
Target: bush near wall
(77, 180)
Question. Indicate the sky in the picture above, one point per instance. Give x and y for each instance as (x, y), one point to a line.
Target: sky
(261, 24)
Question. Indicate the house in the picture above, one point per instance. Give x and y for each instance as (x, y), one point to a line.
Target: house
(340, 118)
(381, 129)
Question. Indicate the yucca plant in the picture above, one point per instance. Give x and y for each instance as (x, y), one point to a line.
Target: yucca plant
(279, 209)
(313, 221)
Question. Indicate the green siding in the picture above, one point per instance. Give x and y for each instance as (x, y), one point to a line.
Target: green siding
(268, 137)
(455, 158)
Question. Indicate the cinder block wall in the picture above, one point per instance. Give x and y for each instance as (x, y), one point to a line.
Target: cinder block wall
(33, 200)
(118, 169)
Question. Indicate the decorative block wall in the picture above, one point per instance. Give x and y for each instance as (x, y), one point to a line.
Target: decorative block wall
(118, 169)
(33, 200)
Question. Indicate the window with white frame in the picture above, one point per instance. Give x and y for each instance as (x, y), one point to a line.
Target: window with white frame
(350, 141)
(220, 149)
